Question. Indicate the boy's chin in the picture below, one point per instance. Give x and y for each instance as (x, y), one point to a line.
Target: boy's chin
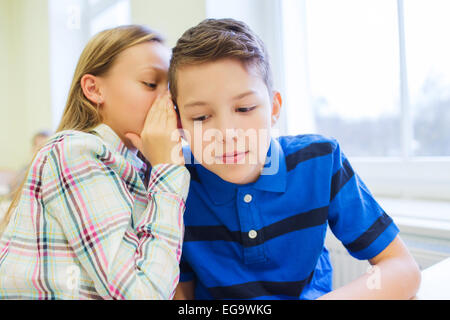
(238, 174)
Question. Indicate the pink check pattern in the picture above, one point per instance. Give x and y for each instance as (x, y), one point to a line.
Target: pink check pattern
(87, 227)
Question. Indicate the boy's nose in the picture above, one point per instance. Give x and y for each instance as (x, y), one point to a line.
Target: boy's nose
(227, 133)
(231, 134)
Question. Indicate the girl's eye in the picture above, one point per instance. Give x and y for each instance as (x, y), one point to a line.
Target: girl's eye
(245, 109)
(150, 85)
(201, 119)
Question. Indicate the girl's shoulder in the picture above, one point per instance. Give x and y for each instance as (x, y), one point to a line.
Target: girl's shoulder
(73, 139)
(71, 144)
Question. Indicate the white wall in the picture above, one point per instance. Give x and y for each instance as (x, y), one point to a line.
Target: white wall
(171, 18)
(25, 90)
(5, 44)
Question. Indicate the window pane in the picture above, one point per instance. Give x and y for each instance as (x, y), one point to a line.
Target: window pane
(116, 15)
(427, 27)
(93, 2)
(354, 78)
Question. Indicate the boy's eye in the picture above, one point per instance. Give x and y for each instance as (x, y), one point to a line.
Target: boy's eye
(245, 109)
(202, 118)
(150, 84)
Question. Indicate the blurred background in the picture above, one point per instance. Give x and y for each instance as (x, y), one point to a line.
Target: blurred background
(374, 74)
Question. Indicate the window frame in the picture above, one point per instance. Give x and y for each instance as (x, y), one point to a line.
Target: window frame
(407, 176)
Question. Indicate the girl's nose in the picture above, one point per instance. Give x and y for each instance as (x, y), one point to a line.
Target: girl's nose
(162, 89)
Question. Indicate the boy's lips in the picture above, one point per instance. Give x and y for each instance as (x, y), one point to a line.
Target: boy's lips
(233, 157)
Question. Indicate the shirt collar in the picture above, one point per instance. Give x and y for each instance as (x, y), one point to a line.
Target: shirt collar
(273, 175)
(272, 178)
(115, 144)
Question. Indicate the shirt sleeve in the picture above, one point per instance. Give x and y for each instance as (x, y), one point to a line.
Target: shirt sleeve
(125, 259)
(354, 216)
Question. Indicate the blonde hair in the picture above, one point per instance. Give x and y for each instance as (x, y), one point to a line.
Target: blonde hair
(96, 59)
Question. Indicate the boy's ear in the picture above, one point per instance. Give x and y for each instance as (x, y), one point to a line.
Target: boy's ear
(276, 107)
(91, 88)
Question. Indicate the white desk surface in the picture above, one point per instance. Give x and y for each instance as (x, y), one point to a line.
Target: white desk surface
(435, 284)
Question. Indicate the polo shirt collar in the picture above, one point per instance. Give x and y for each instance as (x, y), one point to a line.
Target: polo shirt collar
(272, 179)
(115, 144)
(273, 175)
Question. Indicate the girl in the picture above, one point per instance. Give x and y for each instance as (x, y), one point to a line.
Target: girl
(86, 224)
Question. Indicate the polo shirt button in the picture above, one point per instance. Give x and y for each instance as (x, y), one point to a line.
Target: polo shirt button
(248, 198)
(252, 234)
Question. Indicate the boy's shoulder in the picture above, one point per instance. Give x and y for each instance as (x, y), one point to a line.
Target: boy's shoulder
(310, 143)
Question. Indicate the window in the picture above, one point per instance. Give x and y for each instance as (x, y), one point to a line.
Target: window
(428, 70)
(352, 56)
(375, 75)
(72, 24)
(110, 14)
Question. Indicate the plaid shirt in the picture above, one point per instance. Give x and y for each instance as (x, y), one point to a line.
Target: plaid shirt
(86, 227)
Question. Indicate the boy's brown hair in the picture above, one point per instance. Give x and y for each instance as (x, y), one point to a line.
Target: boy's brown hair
(214, 39)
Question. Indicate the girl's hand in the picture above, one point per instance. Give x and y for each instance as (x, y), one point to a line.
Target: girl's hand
(160, 140)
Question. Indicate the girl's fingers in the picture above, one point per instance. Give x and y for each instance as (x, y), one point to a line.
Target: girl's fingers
(165, 116)
(153, 113)
(163, 111)
(171, 114)
(160, 140)
(159, 109)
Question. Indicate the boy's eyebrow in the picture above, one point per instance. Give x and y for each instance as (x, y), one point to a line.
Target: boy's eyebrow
(196, 104)
(203, 103)
(242, 95)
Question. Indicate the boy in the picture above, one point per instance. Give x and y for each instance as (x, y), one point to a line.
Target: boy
(258, 207)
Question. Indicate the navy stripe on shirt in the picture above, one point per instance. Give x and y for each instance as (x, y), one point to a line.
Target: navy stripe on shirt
(193, 172)
(340, 178)
(297, 222)
(185, 266)
(313, 150)
(371, 234)
(249, 290)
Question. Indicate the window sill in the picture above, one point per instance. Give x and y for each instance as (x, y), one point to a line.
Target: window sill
(423, 178)
(419, 217)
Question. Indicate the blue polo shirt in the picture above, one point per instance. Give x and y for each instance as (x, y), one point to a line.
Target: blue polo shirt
(265, 240)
